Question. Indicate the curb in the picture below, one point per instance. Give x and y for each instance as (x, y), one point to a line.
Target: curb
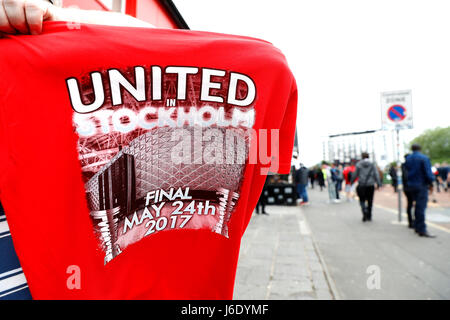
(329, 279)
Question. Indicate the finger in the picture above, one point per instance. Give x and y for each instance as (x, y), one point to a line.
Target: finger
(34, 14)
(16, 14)
(5, 27)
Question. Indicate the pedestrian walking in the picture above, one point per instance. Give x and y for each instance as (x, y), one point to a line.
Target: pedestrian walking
(340, 176)
(331, 183)
(262, 199)
(295, 165)
(442, 177)
(420, 179)
(325, 172)
(434, 170)
(301, 181)
(349, 186)
(408, 194)
(320, 178)
(394, 177)
(380, 174)
(367, 175)
(312, 177)
(335, 178)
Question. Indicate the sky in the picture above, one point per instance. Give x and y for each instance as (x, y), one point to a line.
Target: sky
(343, 54)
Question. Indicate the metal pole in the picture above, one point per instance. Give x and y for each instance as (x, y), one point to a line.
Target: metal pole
(392, 159)
(385, 147)
(399, 177)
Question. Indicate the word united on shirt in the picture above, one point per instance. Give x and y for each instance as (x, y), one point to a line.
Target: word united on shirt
(105, 95)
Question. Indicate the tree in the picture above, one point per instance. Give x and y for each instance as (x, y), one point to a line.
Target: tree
(435, 143)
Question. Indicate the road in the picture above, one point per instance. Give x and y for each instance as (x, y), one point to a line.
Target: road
(409, 267)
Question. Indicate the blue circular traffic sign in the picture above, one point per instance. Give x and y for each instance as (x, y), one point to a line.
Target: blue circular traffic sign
(396, 113)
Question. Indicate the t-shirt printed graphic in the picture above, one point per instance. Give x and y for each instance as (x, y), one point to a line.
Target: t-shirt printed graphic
(161, 148)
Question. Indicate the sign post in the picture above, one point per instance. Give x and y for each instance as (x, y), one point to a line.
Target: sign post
(396, 114)
(399, 177)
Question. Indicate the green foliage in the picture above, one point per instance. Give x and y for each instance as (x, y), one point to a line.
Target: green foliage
(435, 143)
(392, 164)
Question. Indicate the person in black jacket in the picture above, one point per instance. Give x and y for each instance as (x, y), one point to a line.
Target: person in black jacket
(320, 178)
(394, 177)
(312, 177)
(301, 182)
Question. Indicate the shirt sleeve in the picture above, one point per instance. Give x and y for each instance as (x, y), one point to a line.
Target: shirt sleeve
(281, 163)
(428, 172)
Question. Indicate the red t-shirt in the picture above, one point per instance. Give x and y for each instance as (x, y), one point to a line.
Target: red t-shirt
(129, 156)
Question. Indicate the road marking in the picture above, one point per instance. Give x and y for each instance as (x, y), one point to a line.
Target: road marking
(304, 229)
(431, 224)
(272, 268)
(403, 223)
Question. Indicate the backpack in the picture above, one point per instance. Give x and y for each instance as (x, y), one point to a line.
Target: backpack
(350, 176)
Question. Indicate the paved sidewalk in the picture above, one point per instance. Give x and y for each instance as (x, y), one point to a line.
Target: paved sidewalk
(279, 259)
